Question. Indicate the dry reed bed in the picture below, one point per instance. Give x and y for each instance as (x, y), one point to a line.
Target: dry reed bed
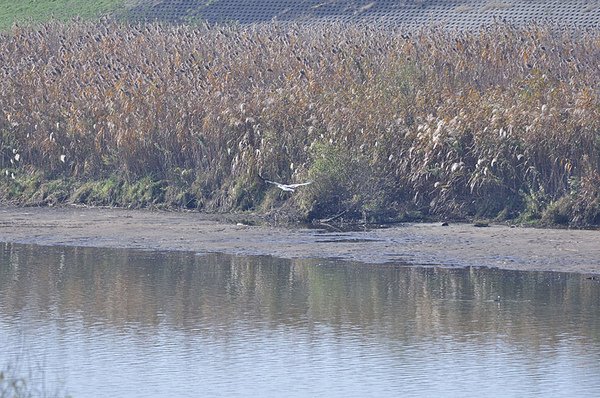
(501, 122)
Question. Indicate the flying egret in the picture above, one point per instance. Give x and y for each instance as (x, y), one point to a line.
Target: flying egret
(288, 187)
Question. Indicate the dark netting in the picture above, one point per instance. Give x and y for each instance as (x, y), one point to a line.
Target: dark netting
(461, 14)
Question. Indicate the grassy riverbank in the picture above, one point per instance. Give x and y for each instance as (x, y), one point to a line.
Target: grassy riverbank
(27, 11)
(503, 123)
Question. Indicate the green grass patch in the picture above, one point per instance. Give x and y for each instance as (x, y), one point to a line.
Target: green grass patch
(27, 11)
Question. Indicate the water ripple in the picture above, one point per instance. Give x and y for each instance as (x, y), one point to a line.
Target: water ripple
(137, 324)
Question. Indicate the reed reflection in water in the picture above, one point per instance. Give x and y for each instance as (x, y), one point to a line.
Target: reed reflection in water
(134, 323)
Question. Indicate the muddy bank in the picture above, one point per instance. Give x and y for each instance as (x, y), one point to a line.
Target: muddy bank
(412, 244)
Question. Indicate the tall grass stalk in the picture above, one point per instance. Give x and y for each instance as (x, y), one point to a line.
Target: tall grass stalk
(15, 384)
(501, 122)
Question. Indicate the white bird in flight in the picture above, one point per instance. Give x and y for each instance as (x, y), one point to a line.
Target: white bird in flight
(288, 187)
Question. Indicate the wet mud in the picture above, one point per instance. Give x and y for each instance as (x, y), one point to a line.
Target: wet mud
(429, 244)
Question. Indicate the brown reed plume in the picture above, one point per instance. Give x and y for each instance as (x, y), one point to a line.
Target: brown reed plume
(504, 121)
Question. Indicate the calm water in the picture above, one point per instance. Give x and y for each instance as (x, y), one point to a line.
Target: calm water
(118, 323)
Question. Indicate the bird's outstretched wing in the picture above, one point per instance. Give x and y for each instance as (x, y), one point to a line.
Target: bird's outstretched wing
(299, 185)
(283, 187)
(288, 187)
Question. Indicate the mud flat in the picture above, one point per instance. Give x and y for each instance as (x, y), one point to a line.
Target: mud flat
(460, 245)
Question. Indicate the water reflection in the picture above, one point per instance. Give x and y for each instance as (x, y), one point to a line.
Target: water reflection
(178, 323)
